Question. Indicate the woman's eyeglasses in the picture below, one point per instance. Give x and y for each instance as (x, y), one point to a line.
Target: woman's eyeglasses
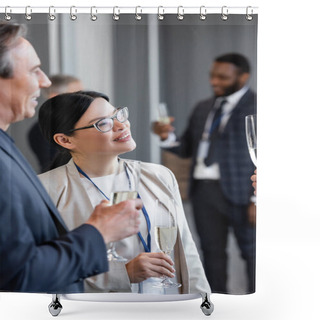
(106, 124)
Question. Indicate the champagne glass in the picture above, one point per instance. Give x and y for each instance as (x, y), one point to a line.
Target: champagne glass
(251, 133)
(125, 187)
(163, 113)
(166, 233)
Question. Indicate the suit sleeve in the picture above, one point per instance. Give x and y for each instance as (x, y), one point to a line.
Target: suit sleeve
(33, 258)
(69, 259)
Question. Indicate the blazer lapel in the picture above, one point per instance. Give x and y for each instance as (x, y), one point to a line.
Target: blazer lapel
(16, 155)
(161, 190)
(237, 110)
(77, 184)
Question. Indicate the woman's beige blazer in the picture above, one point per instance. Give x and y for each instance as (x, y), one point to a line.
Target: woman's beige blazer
(67, 192)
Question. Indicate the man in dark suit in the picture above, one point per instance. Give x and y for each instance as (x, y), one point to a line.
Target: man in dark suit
(37, 252)
(220, 188)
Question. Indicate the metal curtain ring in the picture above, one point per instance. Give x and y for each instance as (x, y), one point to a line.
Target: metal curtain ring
(28, 12)
(138, 15)
(180, 14)
(116, 15)
(203, 13)
(249, 16)
(6, 14)
(160, 14)
(52, 16)
(224, 13)
(73, 16)
(93, 16)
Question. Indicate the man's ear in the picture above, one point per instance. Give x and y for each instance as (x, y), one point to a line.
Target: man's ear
(63, 140)
(244, 77)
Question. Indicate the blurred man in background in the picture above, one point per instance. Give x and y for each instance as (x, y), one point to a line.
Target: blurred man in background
(220, 189)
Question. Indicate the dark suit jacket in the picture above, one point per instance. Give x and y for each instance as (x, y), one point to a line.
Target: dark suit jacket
(231, 147)
(37, 253)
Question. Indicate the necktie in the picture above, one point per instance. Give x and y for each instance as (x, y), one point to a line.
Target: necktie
(214, 132)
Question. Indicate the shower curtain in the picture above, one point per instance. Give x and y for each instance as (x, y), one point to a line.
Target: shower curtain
(171, 58)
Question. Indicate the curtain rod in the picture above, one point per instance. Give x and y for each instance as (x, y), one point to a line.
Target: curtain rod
(138, 11)
(130, 10)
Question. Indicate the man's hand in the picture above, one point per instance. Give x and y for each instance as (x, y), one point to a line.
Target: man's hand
(118, 221)
(252, 213)
(163, 129)
(254, 181)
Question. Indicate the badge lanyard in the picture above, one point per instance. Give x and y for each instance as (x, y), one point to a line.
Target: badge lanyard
(147, 246)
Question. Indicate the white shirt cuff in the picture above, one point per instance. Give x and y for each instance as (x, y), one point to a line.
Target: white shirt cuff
(170, 141)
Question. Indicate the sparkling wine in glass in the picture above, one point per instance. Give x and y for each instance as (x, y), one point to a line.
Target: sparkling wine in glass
(166, 233)
(125, 187)
(251, 133)
(163, 113)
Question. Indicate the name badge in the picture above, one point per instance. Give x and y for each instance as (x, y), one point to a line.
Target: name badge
(203, 149)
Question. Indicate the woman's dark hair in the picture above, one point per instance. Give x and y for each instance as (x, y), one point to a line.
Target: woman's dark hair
(60, 114)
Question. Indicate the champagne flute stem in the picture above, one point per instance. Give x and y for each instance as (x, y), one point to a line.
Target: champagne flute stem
(110, 250)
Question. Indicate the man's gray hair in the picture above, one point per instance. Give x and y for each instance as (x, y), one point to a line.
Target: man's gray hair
(10, 33)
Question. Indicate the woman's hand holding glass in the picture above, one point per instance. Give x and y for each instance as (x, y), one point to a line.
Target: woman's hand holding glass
(150, 264)
(166, 234)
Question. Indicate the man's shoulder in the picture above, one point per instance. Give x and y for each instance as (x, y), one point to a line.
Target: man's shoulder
(250, 96)
(208, 102)
(247, 103)
(202, 108)
(5, 139)
(7, 156)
